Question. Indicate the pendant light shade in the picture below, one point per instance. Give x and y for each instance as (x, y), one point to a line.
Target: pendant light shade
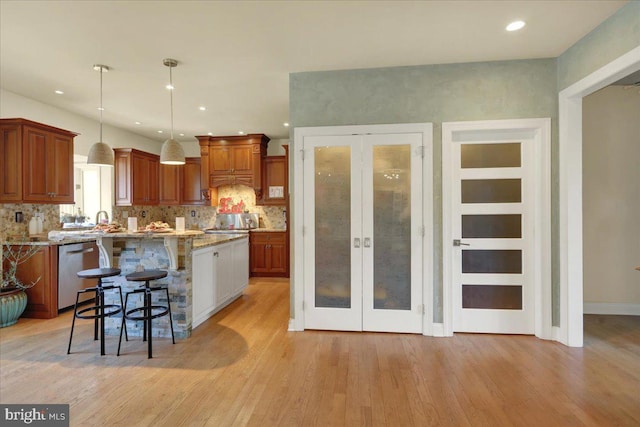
(100, 153)
(172, 152)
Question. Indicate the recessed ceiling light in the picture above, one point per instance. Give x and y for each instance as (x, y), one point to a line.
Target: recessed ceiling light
(240, 132)
(100, 108)
(159, 131)
(516, 25)
(182, 134)
(138, 123)
(203, 108)
(170, 87)
(285, 124)
(210, 133)
(59, 92)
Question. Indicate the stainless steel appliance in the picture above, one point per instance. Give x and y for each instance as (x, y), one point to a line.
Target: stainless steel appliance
(234, 223)
(71, 259)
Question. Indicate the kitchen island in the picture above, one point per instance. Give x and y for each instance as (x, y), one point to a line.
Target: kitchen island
(188, 284)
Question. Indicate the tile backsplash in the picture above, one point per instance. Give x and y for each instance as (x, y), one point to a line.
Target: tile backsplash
(9, 226)
(195, 216)
(199, 217)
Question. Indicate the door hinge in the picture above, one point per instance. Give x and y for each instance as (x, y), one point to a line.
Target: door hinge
(303, 305)
(422, 230)
(421, 151)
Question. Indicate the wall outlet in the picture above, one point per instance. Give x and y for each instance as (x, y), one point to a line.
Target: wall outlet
(19, 217)
(193, 214)
(125, 214)
(143, 214)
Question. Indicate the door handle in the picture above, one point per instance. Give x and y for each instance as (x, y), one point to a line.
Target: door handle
(457, 242)
(81, 251)
(367, 242)
(356, 242)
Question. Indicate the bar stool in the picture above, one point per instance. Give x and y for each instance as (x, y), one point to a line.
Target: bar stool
(147, 311)
(99, 310)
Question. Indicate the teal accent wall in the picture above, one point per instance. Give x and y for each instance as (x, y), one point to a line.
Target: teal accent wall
(610, 40)
(435, 94)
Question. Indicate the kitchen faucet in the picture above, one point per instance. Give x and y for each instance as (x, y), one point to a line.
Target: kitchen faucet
(105, 215)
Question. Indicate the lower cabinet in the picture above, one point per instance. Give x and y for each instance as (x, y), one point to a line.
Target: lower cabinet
(220, 275)
(42, 268)
(269, 254)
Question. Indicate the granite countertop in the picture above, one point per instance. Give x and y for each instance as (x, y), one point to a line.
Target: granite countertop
(215, 239)
(146, 234)
(268, 230)
(43, 240)
(64, 237)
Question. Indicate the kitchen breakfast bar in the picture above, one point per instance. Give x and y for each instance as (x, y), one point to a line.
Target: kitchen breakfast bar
(205, 273)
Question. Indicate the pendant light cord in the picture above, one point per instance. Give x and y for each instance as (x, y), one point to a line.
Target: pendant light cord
(171, 97)
(101, 109)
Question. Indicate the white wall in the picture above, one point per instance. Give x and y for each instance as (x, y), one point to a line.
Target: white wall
(611, 200)
(13, 105)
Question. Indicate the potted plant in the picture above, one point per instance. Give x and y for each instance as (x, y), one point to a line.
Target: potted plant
(13, 298)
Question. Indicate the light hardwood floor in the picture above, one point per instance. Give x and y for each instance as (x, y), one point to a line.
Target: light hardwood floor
(242, 367)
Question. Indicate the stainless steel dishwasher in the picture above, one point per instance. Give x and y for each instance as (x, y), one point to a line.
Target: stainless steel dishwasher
(71, 259)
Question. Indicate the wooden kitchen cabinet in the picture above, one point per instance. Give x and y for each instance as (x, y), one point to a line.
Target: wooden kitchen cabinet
(269, 254)
(42, 299)
(136, 177)
(36, 163)
(180, 184)
(233, 160)
(275, 181)
(169, 191)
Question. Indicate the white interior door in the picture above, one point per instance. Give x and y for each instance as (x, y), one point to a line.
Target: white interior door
(333, 233)
(392, 232)
(363, 232)
(493, 233)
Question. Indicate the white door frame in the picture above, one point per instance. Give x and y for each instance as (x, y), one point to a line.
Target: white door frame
(570, 330)
(541, 133)
(298, 206)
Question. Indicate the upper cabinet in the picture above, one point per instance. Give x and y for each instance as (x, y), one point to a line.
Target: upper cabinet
(275, 181)
(36, 163)
(136, 177)
(229, 160)
(180, 184)
(140, 179)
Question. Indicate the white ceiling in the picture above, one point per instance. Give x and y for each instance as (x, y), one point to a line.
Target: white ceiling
(235, 56)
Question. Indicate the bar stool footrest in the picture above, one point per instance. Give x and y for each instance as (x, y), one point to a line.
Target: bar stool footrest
(164, 312)
(115, 309)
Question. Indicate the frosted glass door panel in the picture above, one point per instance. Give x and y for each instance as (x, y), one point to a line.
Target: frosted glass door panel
(333, 227)
(332, 224)
(392, 227)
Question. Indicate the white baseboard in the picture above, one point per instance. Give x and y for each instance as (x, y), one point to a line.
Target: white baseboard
(292, 325)
(612, 308)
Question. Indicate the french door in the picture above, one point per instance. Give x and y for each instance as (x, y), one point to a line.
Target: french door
(363, 232)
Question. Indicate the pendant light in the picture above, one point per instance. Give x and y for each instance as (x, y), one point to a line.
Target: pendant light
(100, 153)
(172, 152)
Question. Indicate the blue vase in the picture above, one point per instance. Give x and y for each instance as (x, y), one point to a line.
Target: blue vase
(12, 305)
